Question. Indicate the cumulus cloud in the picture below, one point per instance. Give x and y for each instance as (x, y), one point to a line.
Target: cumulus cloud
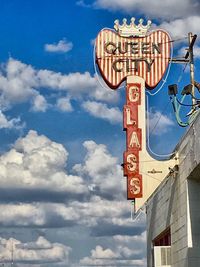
(36, 166)
(196, 51)
(100, 110)
(64, 104)
(107, 257)
(14, 123)
(38, 215)
(39, 252)
(21, 83)
(131, 239)
(181, 27)
(33, 173)
(158, 122)
(104, 216)
(63, 46)
(37, 200)
(39, 103)
(153, 10)
(103, 169)
(82, 3)
(100, 216)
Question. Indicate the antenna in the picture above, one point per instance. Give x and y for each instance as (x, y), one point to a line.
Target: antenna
(12, 253)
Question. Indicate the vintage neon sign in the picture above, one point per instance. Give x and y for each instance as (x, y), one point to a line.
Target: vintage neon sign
(145, 56)
(130, 52)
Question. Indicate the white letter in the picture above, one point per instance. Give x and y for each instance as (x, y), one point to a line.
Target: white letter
(128, 117)
(135, 186)
(134, 140)
(132, 160)
(133, 94)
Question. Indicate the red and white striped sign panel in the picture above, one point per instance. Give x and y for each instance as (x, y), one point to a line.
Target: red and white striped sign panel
(118, 57)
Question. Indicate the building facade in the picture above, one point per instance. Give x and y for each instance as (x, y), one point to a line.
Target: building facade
(173, 210)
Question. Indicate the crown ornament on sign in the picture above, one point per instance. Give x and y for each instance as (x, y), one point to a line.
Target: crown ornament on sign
(132, 30)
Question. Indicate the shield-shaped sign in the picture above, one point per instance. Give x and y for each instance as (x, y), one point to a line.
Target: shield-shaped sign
(118, 57)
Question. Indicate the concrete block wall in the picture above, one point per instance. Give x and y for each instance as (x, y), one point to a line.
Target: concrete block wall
(176, 203)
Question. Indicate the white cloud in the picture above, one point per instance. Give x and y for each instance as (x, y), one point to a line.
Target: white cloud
(109, 262)
(39, 103)
(108, 218)
(82, 3)
(14, 123)
(35, 170)
(196, 51)
(100, 110)
(103, 169)
(105, 217)
(152, 9)
(99, 252)
(63, 46)
(107, 257)
(37, 159)
(159, 123)
(17, 81)
(179, 28)
(104, 212)
(64, 104)
(38, 215)
(20, 83)
(39, 252)
(131, 239)
(40, 243)
(36, 162)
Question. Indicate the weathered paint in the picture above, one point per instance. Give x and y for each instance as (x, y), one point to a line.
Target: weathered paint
(119, 57)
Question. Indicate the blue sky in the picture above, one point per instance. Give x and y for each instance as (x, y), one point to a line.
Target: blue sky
(63, 195)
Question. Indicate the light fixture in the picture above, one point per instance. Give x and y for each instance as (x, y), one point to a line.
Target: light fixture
(187, 90)
(172, 89)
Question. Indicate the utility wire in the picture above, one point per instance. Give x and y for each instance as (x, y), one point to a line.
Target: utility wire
(179, 80)
(164, 109)
(186, 105)
(181, 75)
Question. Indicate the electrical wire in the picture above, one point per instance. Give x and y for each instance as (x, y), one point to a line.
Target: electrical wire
(181, 75)
(185, 105)
(148, 139)
(174, 102)
(152, 130)
(198, 99)
(177, 110)
(176, 40)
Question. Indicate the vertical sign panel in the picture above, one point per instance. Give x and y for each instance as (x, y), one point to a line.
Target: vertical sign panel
(133, 141)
